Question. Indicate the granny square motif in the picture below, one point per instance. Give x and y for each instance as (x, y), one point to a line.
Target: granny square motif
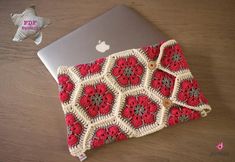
(128, 94)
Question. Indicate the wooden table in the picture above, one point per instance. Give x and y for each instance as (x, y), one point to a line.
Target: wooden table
(31, 119)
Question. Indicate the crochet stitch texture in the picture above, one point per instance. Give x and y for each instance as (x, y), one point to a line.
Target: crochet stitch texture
(128, 94)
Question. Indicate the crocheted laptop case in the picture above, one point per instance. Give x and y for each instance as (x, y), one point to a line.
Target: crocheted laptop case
(128, 94)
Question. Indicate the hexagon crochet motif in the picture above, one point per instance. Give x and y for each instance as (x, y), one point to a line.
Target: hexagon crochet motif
(128, 94)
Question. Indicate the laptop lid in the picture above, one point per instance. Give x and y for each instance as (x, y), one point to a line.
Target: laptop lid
(118, 29)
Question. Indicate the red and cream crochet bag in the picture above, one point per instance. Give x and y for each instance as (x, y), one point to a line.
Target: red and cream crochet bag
(128, 94)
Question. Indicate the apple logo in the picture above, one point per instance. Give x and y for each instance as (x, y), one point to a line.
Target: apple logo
(102, 46)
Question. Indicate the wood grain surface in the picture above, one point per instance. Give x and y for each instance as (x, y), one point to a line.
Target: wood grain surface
(32, 127)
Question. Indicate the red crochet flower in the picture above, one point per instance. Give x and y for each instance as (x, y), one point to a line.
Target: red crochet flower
(70, 119)
(140, 110)
(97, 99)
(128, 71)
(65, 87)
(91, 68)
(181, 114)
(107, 135)
(173, 58)
(190, 93)
(74, 129)
(163, 82)
(72, 140)
(152, 52)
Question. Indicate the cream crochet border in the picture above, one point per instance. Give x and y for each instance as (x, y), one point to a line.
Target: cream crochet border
(90, 125)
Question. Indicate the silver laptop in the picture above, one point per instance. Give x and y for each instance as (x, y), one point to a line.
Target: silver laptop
(118, 29)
